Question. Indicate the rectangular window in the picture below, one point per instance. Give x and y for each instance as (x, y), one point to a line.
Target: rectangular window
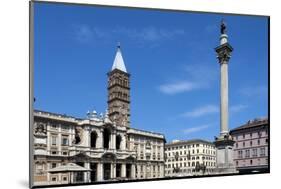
(64, 141)
(262, 152)
(247, 153)
(64, 127)
(53, 165)
(240, 154)
(54, 140)
(254, 153)
(54, 126)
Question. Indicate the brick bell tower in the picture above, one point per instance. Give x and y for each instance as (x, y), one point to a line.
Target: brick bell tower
(119, 91)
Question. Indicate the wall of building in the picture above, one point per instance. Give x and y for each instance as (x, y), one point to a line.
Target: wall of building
(251, 149)
(58, 145)
(185, 156)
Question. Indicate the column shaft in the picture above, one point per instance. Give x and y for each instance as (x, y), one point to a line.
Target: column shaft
(86, 174)
(224, 99)
(100, 172)
(133, 171)
(123, 170)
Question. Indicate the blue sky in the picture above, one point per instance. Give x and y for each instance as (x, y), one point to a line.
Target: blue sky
(171, 59)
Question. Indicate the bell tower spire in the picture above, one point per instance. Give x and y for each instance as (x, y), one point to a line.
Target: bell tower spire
(119, 91)
(118, 60)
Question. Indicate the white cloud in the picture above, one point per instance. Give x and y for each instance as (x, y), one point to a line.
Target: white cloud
(201, 111)
(259, 91)
(196, 129)
(199, 77)
(178, 87)
(83, 33)
(140, 35)
(211, 109)
(237, 108)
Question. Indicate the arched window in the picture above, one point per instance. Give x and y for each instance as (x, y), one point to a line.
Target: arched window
(118, 142)
(93, 139)
(106, 138)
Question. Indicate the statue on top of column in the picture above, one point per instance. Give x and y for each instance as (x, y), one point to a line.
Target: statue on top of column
(223, 27)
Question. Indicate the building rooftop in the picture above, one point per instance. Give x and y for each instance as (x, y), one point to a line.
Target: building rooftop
(139, 131)
(252, 123)
(40, 112)
(65, 117)
(191, 141)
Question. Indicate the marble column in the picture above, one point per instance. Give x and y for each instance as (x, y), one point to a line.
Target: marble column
(133, 171)
(100, 176)
(86, 174)
(224, 98)
(161, 170)
(100, 140)
(223, 56)
(112, 140)
(123, 143)
(224, 143)
(113, 170)
(123, 170)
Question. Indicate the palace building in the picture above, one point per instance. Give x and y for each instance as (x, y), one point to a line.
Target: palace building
(99, 147)
(251, 146)
(189, 158)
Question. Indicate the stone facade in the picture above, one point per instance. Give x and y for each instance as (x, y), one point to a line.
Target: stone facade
(104, 145)
(119, 97)
(189, 158)
(251, 146)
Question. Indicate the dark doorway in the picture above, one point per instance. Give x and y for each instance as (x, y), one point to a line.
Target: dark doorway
(79, 175)
(128, 170)
(93, 167)
(118, 142)
(106, 171)
(118, 170)
(106, 138)
(93, 139)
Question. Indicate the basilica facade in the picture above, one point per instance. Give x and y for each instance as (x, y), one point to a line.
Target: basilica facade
(100, 147)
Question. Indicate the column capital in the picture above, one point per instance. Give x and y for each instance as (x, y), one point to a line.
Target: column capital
(224, 53)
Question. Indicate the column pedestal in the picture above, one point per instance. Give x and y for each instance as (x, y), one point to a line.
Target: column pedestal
(224, 152)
